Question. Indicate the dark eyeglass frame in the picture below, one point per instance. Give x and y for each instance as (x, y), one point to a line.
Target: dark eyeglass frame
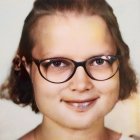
(78, 64)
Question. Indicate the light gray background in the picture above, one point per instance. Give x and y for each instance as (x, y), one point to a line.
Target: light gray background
(15, 120)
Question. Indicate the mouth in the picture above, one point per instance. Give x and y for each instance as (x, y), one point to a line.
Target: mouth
(81, 106)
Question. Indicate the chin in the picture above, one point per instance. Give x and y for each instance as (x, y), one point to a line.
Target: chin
(80, 124)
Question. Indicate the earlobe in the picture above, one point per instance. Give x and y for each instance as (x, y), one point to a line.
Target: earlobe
(27, 66)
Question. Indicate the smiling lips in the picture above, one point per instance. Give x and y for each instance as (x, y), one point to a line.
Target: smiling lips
(81, 106)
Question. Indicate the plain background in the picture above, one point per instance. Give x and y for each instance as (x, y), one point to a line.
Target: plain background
(15, 120)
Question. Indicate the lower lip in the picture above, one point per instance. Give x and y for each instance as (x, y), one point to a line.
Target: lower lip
(81, 107)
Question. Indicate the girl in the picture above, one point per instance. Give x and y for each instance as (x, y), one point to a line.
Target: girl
(72, 65)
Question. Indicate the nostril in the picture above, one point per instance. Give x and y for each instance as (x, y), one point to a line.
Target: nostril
(80, 86)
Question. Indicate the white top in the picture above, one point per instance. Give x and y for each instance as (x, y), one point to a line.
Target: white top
(126, 138)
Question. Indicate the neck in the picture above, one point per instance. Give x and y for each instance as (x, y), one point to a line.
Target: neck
(50, 130)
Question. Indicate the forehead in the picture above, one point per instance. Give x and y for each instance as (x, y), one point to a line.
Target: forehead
(54, 23)
(69, 30)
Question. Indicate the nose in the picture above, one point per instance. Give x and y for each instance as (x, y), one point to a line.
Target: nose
(81, 82)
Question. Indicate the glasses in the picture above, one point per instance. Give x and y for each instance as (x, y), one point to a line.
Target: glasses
(59, 70)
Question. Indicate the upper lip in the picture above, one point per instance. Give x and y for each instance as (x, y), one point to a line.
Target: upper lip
(80, 100)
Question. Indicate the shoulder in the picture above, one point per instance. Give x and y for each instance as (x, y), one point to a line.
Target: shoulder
(123, 137)
(135, 137)
(28, 136)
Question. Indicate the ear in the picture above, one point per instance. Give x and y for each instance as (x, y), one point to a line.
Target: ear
(27, 66)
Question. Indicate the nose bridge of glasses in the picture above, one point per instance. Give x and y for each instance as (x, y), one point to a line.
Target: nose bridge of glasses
(80, 64)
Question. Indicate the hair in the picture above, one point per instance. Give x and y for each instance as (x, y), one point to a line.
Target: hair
(19, 84)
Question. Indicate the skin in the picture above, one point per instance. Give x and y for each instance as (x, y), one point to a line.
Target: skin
(64, 36)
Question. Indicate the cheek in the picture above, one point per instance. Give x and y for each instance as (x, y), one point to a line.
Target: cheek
(109, 89)
(40, 86)
(45, 92)
(109, 94)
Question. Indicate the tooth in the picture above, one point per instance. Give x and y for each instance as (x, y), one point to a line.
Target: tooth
(75, 104)
(80, 105)
(84, 105)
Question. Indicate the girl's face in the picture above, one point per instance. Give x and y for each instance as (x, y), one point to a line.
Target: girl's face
(80, 102)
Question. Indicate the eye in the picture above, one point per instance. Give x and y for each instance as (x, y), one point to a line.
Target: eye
(99, 61)
(56, 63)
